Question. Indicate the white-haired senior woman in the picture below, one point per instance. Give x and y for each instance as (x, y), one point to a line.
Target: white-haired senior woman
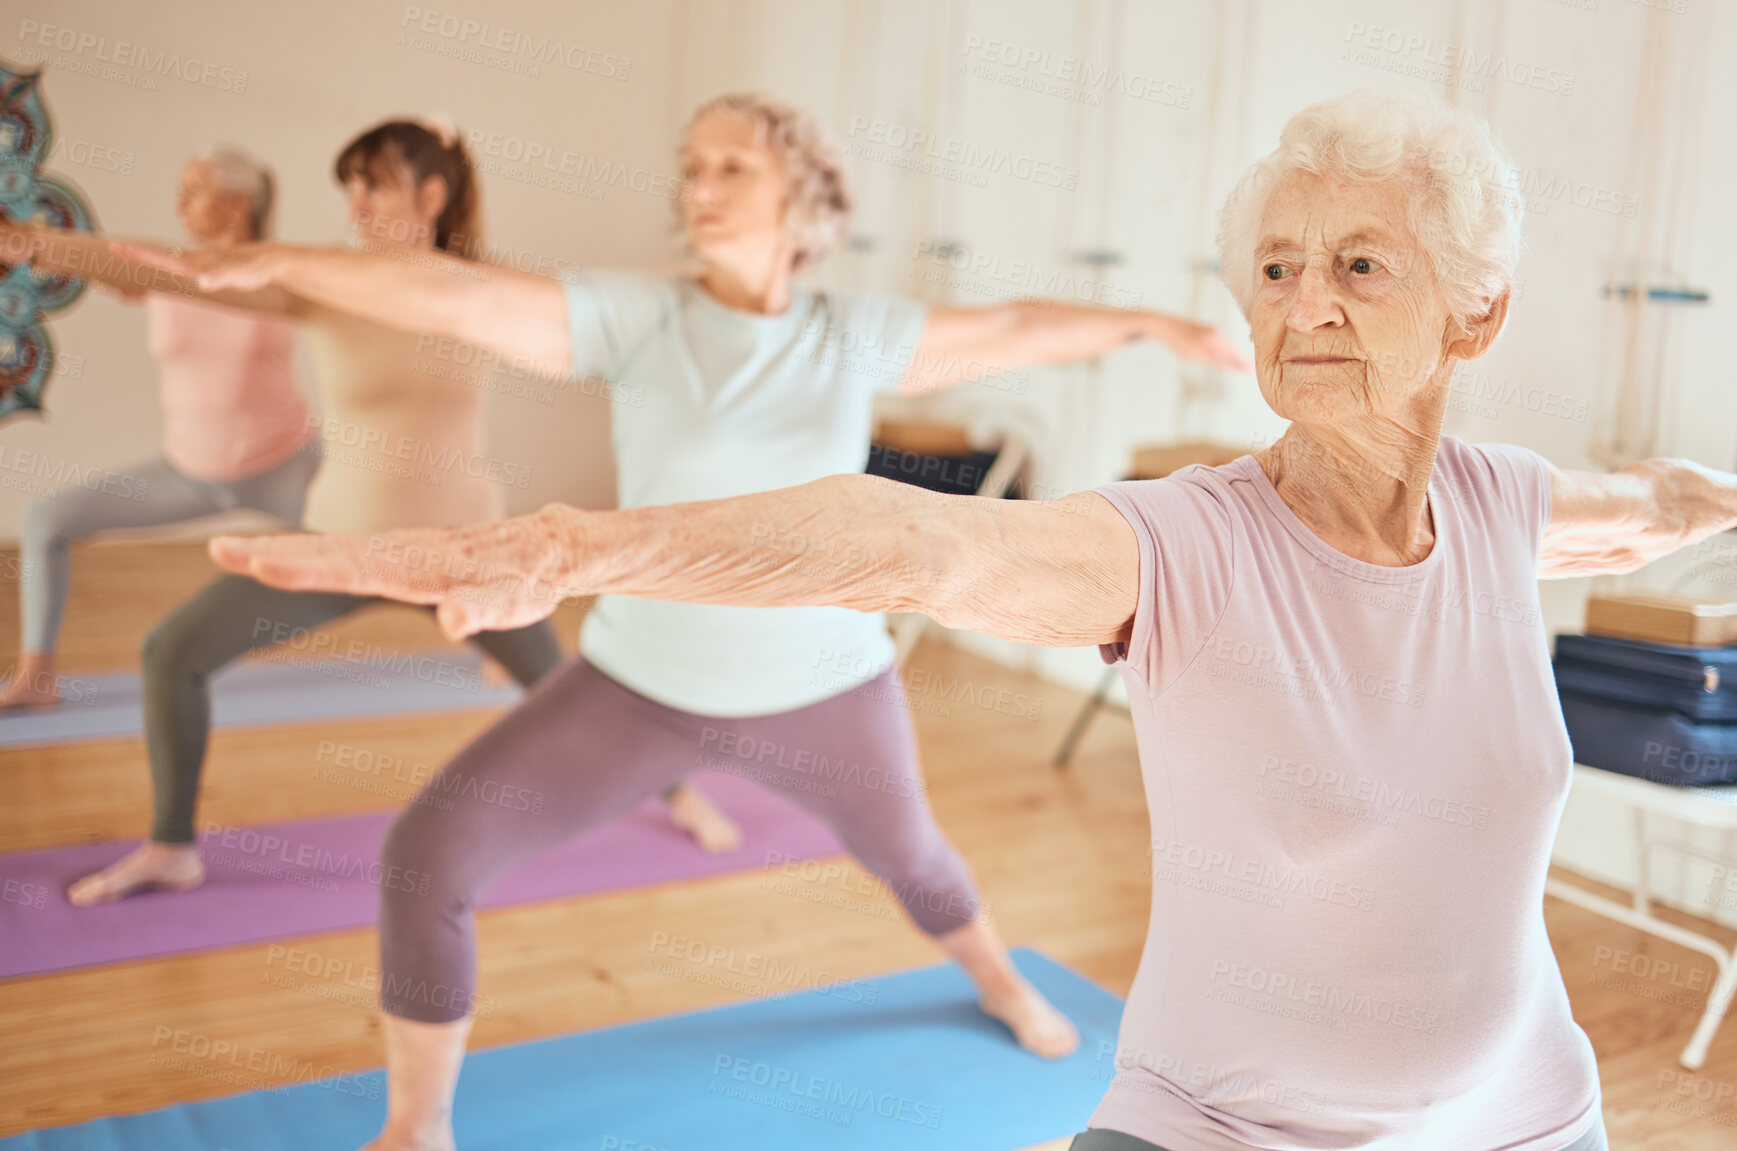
(1319, 973)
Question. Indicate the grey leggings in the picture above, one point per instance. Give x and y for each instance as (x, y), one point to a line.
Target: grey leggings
(581, 749)
(142, 496)
(1104, 1139)
(233, 616)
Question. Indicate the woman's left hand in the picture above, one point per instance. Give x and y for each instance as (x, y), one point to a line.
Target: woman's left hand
(481, 577)
(239, 267)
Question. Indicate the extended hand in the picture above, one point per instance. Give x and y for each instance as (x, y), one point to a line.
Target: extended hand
(480, 577)
(240, 267)
(1203, 343)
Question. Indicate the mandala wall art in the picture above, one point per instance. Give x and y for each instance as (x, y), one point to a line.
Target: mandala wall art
(29, 195)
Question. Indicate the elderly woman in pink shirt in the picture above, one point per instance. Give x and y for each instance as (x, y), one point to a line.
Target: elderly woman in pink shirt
(1353, 753)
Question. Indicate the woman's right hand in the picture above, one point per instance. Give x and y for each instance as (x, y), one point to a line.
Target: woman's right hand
(240, 267)
(479, 577)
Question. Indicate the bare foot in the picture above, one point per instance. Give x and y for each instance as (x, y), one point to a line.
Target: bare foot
(1004, 994)
(693, 813)
(1037, 1025)
(166, 866)
(32, 683)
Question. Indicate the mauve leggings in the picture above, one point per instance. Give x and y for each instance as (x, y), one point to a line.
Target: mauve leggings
(581, 749)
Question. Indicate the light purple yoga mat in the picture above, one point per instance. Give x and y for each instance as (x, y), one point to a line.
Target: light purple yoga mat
(255, 891)
(253, 694)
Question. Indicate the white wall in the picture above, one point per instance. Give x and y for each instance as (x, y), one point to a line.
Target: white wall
(1142, 159)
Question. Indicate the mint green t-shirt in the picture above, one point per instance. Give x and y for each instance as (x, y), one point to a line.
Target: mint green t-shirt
(714, 403)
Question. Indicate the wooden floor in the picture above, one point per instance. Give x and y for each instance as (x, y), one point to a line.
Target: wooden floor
(1052, 851)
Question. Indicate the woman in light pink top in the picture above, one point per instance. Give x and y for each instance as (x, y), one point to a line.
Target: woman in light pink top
(1353, 753)
(234, 422)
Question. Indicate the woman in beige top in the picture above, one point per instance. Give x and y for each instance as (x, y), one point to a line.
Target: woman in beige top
(400, 447)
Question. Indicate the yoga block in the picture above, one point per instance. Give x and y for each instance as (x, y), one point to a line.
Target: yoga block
(1663, 619)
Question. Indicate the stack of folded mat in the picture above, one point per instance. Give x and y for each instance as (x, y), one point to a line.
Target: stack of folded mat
(1665, 712)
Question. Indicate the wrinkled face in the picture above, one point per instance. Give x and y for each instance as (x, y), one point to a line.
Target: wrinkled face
(1347, 318)
(207, 211)
(387, 207)
(733, 186)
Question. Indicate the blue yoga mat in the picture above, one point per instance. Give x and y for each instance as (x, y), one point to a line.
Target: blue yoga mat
(252, 694)
(895, 1061)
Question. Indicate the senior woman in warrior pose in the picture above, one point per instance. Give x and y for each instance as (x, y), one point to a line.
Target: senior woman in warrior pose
(752, 382)
(1356, 604)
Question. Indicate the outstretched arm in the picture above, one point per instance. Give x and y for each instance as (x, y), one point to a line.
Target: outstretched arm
(521, 315)
(1626, 519)
(1061, 573)
(89, 256)
(962, 344)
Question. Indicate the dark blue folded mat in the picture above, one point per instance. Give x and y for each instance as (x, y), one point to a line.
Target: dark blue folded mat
(1699, 682)
(1661, 745)
(896, 1061)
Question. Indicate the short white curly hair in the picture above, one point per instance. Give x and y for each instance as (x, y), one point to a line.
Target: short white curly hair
(818, 207)
(1466, 209)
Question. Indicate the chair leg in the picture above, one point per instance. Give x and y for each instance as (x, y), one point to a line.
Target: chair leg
(1643, 884)
(1065, 753)
(1718, 1002)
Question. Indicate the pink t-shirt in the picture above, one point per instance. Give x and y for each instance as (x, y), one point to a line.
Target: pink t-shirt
(231, 408)
(1354, 775)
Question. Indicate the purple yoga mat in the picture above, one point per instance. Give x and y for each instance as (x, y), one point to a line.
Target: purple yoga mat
(320, 875)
